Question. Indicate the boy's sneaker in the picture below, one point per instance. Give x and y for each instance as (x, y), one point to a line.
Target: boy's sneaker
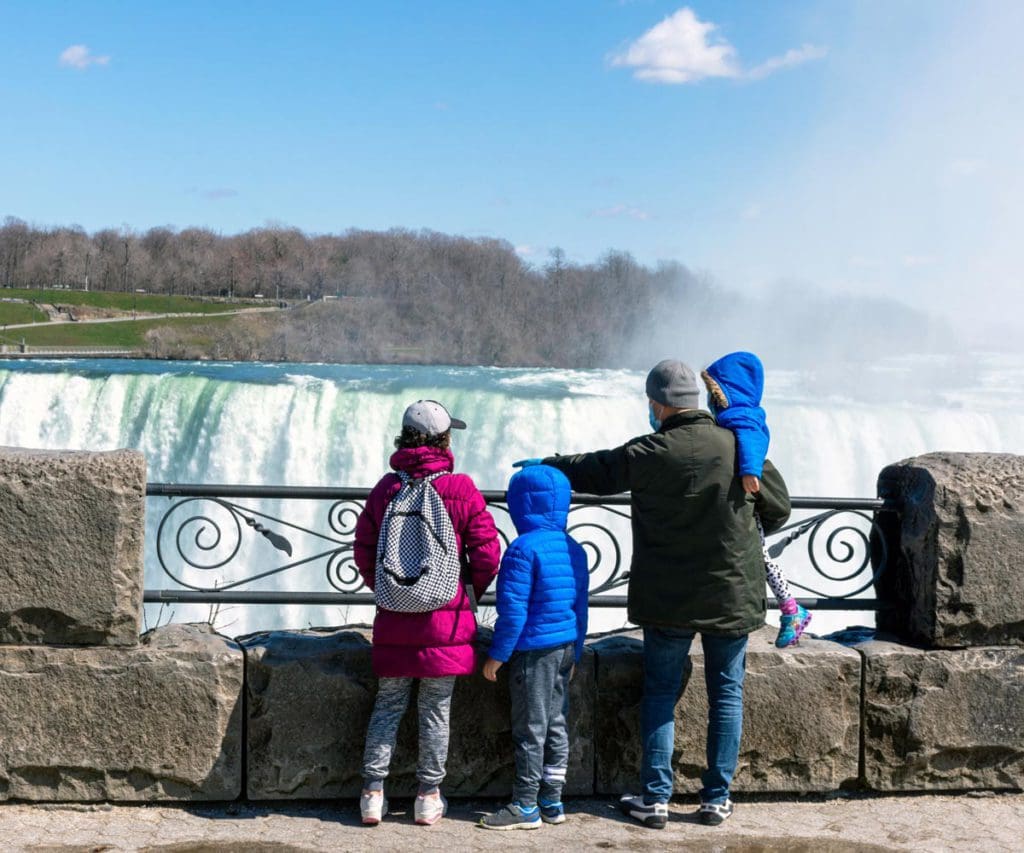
(713, 814)
(430, 808)
(791, 627)
(653, 815)
(551, 812)
(513, 816)
(373, 807)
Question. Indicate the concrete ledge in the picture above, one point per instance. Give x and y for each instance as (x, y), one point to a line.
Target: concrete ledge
(161, 721)
(943, 720)
(310, 694)
(801, 716)
(71, 535)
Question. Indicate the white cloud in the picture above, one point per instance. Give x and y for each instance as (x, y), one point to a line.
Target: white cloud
(526, 251)
(79, 56)
(678, 50)
(626, 210)
(751, 211)
(791, 58)
(684, 49)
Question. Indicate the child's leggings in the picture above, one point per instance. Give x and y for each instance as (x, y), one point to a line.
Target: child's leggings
(775, 579)
(435, 702)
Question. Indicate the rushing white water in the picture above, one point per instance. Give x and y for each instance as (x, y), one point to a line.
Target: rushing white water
(307, 425)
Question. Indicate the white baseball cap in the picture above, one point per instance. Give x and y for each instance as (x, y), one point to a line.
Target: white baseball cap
(430, 418)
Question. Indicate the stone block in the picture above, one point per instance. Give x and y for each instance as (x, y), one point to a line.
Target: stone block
(801, 709)
(310, 694)
(159, 721)
(943, 719)
(956, 549)
(71, 535)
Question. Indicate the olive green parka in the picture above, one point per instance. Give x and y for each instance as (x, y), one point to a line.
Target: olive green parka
(697, 559)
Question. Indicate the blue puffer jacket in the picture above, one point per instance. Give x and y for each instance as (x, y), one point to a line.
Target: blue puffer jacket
(543, 579)
(736, 405)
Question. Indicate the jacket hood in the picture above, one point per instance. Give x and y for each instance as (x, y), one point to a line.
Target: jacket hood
(422, 461)
(538, 499)
(739, 377)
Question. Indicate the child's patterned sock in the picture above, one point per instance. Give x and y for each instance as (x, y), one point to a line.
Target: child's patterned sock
(788, 607)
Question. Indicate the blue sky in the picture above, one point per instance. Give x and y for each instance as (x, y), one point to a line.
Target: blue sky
(873, 146)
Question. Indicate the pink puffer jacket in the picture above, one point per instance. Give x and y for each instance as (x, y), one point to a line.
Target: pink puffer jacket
(440, 642)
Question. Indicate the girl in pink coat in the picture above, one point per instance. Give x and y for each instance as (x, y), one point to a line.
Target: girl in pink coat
(434, 646)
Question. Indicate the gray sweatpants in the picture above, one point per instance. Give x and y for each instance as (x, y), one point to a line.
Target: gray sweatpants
(435, 702)
(539, 684)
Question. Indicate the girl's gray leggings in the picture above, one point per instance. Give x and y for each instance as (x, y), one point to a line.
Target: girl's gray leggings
(435, 702)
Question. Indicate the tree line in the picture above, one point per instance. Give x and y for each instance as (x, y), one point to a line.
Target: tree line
(425, 297)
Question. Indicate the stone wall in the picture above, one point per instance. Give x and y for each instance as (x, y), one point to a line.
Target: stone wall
(309, 698)
(801, 709)
(956, 550)
(71, 535)
(89, 711)
(943, 719)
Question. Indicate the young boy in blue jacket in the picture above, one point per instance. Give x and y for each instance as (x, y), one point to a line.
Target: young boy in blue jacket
(542, 623)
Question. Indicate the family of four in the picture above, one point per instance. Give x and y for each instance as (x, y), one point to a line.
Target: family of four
(703, 496)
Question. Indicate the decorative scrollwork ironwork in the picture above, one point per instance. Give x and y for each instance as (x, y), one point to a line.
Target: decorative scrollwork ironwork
(208, 543)
(845, 545)
(200, 545)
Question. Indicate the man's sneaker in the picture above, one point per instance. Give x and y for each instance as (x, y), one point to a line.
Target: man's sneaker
(551, 812)
(373, 807)
(430, 808)
(713, 814)
(513, 816)
(654, 815)
(791, 627)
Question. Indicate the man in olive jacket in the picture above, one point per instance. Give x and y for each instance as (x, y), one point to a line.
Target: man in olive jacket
(697, 567)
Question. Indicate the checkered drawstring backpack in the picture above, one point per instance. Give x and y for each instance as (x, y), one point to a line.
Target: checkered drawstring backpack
(418, 567)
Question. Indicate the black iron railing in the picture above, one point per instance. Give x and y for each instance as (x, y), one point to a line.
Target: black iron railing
(220, 544)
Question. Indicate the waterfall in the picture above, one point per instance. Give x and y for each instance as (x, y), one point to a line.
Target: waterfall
(331, 425)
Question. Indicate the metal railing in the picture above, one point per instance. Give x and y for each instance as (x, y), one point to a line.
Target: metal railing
(216, 549)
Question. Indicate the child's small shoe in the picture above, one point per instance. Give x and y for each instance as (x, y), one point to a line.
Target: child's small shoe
(372, 807)
(791, 627)
(430, 808)
(551, 812)
(513, 816)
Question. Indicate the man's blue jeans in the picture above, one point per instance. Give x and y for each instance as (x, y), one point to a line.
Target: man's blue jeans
(665, 653)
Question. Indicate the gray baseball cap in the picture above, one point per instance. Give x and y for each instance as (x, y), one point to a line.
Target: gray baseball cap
(430, 417)
(672, 383)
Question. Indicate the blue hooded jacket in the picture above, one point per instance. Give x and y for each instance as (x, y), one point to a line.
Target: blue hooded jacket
(543, 580)
(736, 405)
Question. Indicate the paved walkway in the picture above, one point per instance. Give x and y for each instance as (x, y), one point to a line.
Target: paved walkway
(858, 824)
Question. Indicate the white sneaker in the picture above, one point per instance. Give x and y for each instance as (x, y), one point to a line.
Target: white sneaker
(373, 807)
(430, 808)
(654, 815)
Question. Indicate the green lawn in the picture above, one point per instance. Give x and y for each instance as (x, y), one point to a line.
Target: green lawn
(129, 333)
(150, 303)
(19, 312)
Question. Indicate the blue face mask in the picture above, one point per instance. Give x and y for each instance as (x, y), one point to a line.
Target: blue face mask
(654, 422)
